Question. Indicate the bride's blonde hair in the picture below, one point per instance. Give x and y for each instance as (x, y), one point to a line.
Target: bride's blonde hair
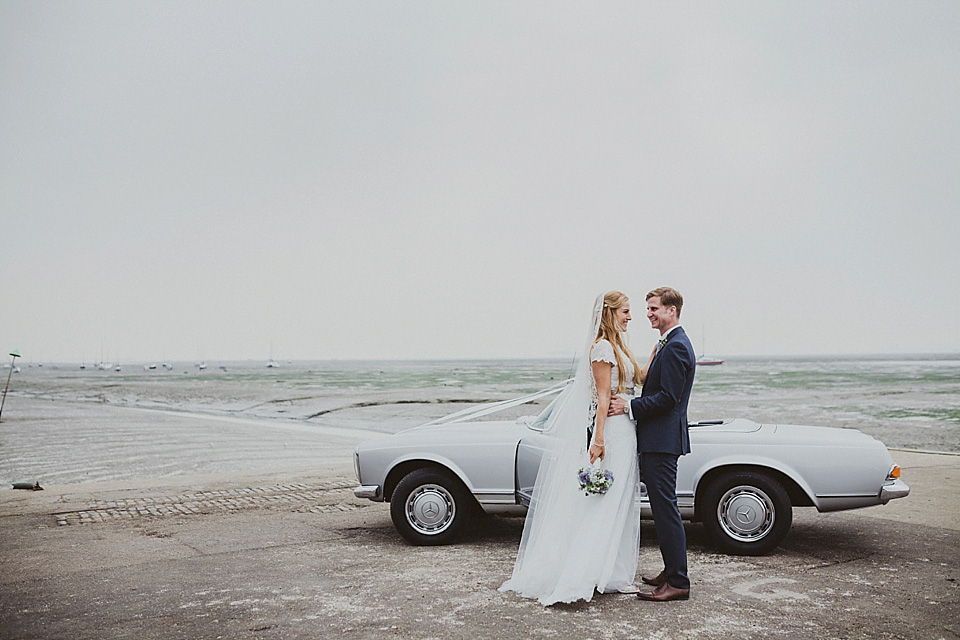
(613, 300)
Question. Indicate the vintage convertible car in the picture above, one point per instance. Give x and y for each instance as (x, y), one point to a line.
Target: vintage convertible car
(741, 480)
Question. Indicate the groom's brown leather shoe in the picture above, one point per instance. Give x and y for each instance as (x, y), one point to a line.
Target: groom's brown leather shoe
(656, 580)
(665, 593)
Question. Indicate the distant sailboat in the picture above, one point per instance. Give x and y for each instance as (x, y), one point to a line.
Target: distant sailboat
(103, 365)
(702, 359)
(273, 363)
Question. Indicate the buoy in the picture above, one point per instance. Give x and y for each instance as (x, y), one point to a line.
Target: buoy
(29, 486)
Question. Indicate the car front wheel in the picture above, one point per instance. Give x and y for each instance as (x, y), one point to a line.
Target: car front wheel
(746, 513)
(430, 507)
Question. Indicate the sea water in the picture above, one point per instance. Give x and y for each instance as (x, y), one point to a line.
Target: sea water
(908, 402)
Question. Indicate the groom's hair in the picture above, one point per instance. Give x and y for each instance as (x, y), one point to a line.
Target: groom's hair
(668, 297)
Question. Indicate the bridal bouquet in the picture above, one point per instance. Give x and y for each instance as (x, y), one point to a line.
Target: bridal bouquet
(594, 481)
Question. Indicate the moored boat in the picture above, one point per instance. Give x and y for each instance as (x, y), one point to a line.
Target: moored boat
(703, 360)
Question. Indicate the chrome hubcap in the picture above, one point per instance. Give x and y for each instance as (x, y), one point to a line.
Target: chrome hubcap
(746, 513)
(430, 509)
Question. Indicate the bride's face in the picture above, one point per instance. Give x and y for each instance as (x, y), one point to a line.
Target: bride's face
(622, 316)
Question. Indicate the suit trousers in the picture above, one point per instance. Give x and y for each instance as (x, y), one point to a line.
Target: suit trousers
(659, 473)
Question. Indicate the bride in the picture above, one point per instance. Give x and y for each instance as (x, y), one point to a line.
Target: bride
(574, 544)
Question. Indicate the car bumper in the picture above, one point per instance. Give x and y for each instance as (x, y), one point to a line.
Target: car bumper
(368, 491)
(896, 489)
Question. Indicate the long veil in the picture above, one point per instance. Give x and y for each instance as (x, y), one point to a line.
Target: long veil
(552, 526)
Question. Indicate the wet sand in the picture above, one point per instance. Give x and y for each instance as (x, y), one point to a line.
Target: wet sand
(68, 427)
(57, 442)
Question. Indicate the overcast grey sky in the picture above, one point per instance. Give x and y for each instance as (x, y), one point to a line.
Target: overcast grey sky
(460, 179)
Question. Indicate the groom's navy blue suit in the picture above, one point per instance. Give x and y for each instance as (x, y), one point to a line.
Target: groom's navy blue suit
(662, 437)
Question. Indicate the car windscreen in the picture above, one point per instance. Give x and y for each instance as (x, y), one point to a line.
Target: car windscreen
(540, 421)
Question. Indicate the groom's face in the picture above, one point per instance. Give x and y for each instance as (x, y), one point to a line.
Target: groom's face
(660, 317)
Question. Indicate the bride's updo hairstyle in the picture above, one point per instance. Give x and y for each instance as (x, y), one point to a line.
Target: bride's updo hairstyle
(613, 300)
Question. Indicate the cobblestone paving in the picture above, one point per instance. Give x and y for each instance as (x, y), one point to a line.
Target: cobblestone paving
(329, 497)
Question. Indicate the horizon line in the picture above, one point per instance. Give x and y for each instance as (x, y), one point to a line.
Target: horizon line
(497, 358)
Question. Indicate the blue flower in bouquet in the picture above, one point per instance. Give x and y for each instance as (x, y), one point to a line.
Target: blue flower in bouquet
(594, 481)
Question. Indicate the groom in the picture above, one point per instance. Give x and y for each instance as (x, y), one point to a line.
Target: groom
(662, 437)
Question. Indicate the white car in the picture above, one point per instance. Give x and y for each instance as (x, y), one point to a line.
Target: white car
(742, 479)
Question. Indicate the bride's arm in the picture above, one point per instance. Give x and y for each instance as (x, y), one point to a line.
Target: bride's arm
(601, 373)
(646, 367)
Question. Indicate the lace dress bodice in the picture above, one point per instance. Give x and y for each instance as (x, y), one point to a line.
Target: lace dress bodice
(603, 352)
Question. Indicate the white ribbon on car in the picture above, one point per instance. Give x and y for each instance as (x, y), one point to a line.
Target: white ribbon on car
(493, 407)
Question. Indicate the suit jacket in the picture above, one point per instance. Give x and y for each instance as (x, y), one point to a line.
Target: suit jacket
(661, 409)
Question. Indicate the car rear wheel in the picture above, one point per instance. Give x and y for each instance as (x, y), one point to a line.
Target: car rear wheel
(746, 513)
(430, 507)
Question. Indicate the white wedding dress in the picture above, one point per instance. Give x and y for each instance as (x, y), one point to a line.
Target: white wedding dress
(574, 544)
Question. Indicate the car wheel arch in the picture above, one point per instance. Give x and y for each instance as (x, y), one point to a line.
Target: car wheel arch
(798, 495)
(404, 468)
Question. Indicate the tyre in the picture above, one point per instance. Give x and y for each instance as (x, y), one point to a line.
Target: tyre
(431, 507)
(746, 513)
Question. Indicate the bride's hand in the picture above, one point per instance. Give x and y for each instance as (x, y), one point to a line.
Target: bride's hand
(596, 451)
